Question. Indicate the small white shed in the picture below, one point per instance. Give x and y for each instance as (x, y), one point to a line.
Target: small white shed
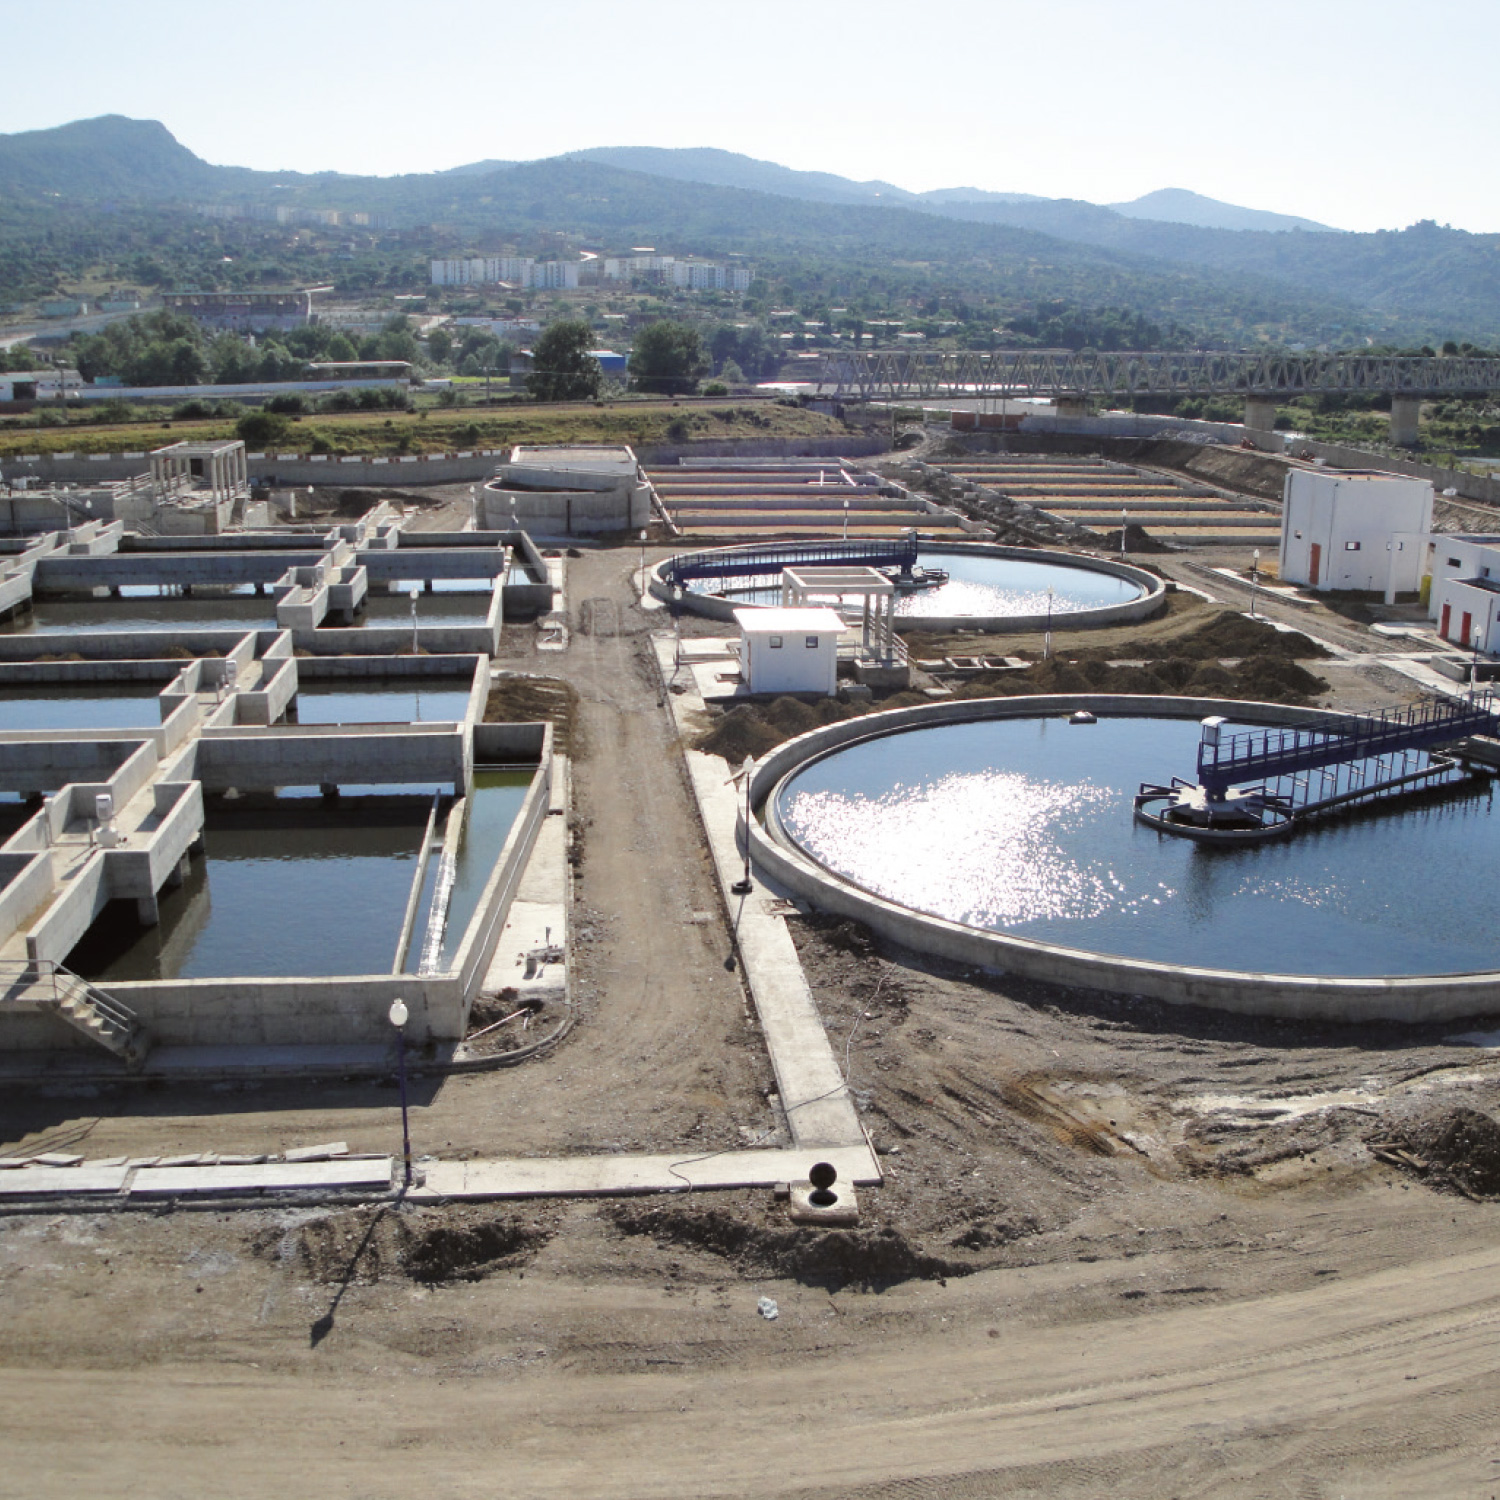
(789, 650)
(1342, 530)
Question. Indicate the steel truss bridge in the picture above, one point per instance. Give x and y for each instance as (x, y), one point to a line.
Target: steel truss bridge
(1053, 373)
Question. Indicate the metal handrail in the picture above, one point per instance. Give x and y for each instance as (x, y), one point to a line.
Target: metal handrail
(65, 984)
(1273, 752)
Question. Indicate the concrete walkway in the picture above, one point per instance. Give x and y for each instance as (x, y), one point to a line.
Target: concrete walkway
(814, 1096)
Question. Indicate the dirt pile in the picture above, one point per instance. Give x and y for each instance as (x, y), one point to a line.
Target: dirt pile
(1137, 540)
(755, 728)
(1271, 679)
(833, 1258)
(1457, 1147)
(1232, 634)
(520, 699)
(427, 1245)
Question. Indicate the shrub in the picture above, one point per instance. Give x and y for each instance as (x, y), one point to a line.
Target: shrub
(260, 429)
(291, 404)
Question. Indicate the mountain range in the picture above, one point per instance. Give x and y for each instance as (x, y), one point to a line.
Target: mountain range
(1171, 253)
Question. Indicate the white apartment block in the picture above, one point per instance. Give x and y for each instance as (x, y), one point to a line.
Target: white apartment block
(694, 275)
(514, 270)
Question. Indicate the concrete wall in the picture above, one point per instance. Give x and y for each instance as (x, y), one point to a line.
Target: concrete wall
(471, 962)
(315, 754)
(567, 512)
(1411, 1000)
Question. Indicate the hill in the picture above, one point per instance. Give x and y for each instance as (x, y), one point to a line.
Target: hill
(1422, 283)
(1179, 206)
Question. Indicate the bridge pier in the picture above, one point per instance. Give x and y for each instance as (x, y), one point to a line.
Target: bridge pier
(1406, 413)
(1260, 414)
(1071, 406)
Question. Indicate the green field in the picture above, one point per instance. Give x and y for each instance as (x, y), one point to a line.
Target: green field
(446, 430)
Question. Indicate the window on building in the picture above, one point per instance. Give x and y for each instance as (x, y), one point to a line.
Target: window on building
(812, 643)
(1453, 562)
(776, 643)
(1351, 546)
(1298, 535)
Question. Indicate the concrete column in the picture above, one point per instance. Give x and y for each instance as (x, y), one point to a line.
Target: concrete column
(1406, 412)
(1260, 414)
(147, 911)
(1072, 406)
(177, 874)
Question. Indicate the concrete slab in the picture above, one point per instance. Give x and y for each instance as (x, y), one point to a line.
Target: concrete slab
(266, 1177)
(814, 1097)
(317, 1153)
(597, 1176)
(40, 1182)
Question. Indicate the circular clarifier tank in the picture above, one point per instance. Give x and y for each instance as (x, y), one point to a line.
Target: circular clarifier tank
(1008, 839)
(983, 587)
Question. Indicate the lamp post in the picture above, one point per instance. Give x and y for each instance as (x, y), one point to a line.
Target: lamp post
(413, 595)
(1124, 522)
(643, 566)
(1047, 639)
(846, 518)
(1254, 578)
(473, 509)
(399, 1016)
(744, 885)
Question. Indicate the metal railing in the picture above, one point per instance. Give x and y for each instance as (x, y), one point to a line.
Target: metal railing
(49, 982)
(1268, 754)
(754, 562)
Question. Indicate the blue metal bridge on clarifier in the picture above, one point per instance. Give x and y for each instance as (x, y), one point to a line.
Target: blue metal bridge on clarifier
(1262, 783)
(768, 561)
(1264, 755)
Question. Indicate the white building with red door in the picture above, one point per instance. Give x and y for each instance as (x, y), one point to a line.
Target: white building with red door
(1360, 531)
(1465, 591)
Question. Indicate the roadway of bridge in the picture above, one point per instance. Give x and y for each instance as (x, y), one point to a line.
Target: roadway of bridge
(1053, 373)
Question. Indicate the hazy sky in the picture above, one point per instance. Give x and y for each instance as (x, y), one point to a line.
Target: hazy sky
(1364, 114)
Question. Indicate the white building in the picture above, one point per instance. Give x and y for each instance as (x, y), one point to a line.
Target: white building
(486, 270)
(694, 275)
(1354, 530)
(1464, 592)
(789, 650)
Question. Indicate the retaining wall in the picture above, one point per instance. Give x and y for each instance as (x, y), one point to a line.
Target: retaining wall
(1413, 1000)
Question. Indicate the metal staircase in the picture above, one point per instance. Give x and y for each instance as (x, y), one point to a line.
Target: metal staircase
(47, 986)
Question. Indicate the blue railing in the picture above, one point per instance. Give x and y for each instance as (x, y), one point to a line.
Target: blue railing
(1266, 754)
(755, 562)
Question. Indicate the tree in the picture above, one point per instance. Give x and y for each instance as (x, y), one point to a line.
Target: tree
(562, 367)
(440, 345)
(667, 359)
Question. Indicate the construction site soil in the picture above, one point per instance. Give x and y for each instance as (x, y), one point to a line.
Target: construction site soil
(1121, 1247)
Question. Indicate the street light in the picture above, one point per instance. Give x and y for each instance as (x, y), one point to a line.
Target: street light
(413, 594)
(1047, 639)
(1124, 522)
(399, 1015)
(745, 885)
(1254, 578)
(643, 567)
